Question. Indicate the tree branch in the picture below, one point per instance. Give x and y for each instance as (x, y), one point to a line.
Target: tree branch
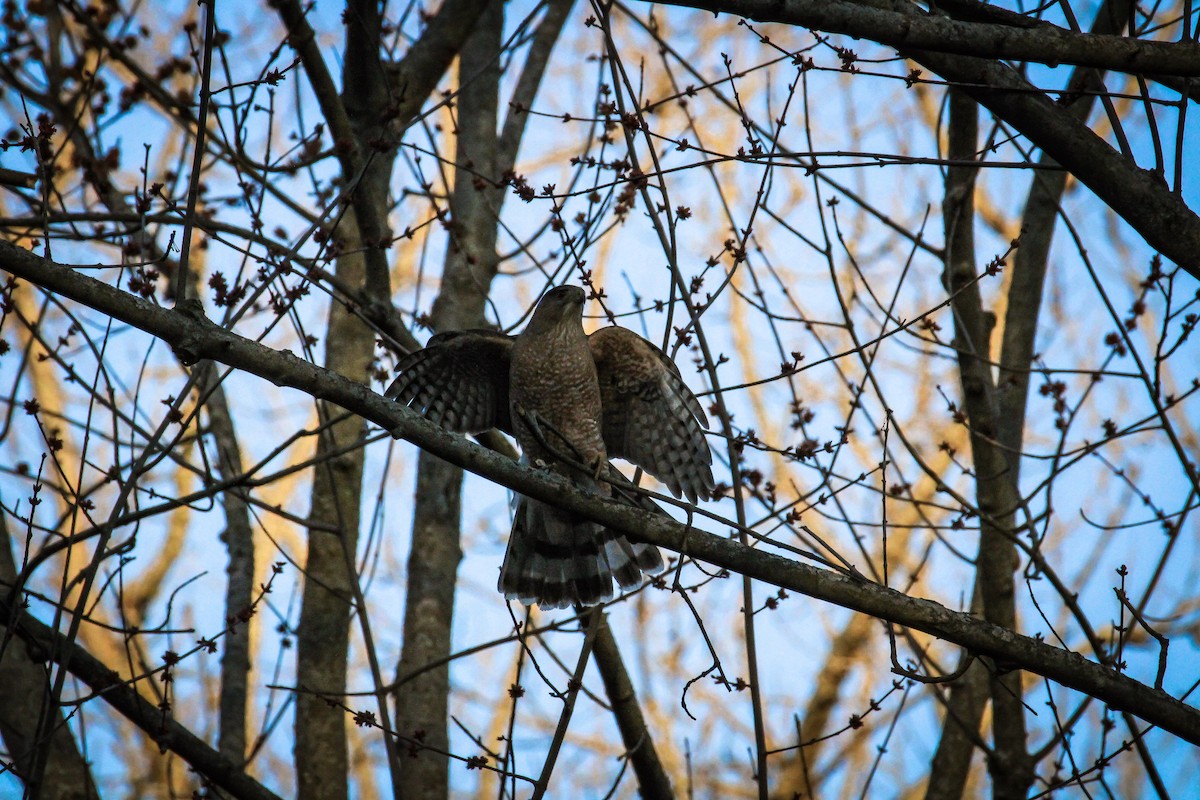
(904, 26)
(1141, 198)
(24, 698)
(195, 337)
(124, 698)
(435, 548)
(416, 75)
(995, 490)
(652, 778)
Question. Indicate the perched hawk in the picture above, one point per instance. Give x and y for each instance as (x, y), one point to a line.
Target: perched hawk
(572, 401)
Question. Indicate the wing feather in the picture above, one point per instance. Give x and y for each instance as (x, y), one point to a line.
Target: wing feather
(651, 417)
(458, 381)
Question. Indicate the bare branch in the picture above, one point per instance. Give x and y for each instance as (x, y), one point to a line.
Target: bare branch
(904, 26)
(1139, 197)
(125, 699)
(191, 334)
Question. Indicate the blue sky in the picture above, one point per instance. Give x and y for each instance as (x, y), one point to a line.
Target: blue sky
(846, 115)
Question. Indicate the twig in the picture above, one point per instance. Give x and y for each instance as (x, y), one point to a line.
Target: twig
(1163, 642)
(595, 619)
(185, 247)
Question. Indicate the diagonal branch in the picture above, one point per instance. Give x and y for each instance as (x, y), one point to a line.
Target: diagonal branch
(416, 75)
(194, 337)
(905, 27)
(166, 732)
(652, 778)
(1140, 197)
(24, 699)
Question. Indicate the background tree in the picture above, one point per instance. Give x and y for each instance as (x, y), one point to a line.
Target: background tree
(864, 230)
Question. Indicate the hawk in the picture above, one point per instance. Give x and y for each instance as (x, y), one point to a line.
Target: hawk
(572, 401)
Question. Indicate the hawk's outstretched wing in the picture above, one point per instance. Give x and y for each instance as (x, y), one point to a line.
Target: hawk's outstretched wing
(634, 405)
(651, 418)
(458, 381)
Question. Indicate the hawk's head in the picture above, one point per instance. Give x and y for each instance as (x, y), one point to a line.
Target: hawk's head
(562, 304)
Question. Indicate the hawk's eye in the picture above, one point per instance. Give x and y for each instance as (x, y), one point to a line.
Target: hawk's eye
(563, 296)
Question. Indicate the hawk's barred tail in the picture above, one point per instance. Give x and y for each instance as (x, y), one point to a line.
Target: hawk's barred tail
(556, 559)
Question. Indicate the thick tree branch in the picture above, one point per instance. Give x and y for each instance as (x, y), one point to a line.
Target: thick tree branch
(166, 732)
(1141, 198)
(354, 157)
(376, 105)
(238, 537)
(435, 550)
(652, 778)
(416, 75)
(1031, 262)
(194, 337)
(24, 698)
(995, 491)
(905, 26)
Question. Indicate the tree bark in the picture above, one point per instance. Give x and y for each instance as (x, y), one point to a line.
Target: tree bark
(24, 697)
(238, 537)
(964, 705)
(966, 700)
(435, 550)
(323, 636)
(996, 497)
(652, 778)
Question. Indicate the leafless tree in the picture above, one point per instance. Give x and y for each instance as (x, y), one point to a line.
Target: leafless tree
(931, 267)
